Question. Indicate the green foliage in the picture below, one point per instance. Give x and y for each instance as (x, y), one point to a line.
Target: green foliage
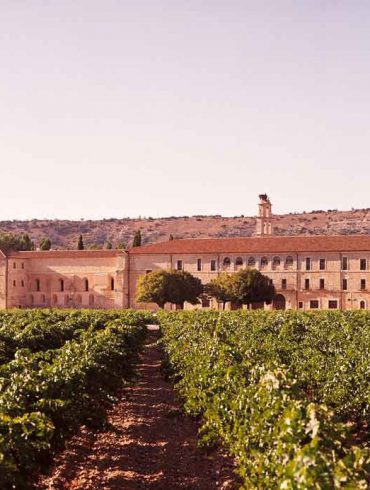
(137, 239)
(163, 286)
(54, 381)
(286, 392)
(45, 244)
(108, 245)
(80, 243)
(243, 288)
(10, 241)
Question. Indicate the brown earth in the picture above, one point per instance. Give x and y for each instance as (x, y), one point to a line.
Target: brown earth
(64, 233)
(149, 443)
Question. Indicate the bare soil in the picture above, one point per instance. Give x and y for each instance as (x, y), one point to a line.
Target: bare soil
(149, 443)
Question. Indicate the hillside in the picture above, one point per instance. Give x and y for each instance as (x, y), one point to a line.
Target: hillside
(64, 233)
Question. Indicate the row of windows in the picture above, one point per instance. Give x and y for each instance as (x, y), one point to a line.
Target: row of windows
(67, 300)
(307, 284)
(61, 284)
(276, 262)
(333, 304)
(15, 265)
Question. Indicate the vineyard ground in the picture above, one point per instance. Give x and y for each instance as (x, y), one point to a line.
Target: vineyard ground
(148, 443)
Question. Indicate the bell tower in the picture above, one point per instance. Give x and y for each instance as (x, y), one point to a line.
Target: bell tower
(264, 226)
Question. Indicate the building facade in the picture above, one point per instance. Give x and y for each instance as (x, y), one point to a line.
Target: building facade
(308, 272)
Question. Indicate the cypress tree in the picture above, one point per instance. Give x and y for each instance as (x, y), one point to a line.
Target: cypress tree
(137, 239)
(80, 244)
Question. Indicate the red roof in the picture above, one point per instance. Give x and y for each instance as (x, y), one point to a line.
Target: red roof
(55, 254)
(251, 245)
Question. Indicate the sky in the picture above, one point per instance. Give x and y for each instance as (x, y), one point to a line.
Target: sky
(115, 108)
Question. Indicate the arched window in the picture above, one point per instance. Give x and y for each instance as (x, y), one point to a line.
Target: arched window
(276, 261)
(251, 262)
(86, 284)
(264, 262)
(61, 284)
(362, 305)
(112, 284)
(37, 284)
(226, 263)
(289, 261)
(238, 263)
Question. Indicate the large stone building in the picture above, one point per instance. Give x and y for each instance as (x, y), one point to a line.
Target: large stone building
(309, 272)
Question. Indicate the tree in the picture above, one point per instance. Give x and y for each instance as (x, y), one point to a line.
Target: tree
(137, 239)
(10, 241)
(221, 288)
(243, 288)
(80, 244)
(163, 287)
(153, 287)
(108, 245)
(45, 244)
(121, 246)
(250, 286)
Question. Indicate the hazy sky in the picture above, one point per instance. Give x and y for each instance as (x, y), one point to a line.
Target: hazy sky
(113, 108)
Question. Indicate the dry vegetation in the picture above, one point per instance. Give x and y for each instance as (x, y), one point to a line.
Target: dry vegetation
(64, 233)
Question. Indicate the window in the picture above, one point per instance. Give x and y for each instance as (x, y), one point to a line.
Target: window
(264, 262)
(307, 284)
(61, 284)
(251, 262)
(22, 265)
(344, 263)
(363, 284)
(112, 284)
(276, 261)
(332, 304)
(363, 264)
(43, 299)
(54, 299)
(14, 283)
(37, 284)
(86, 284)
(362, 305)
(31, 300)
(226, 263)
(206, 303)
(300, 305)
(91, 300)
(22, 283)
(289, 261)
(14, 265)
(308, 264)
(314, 304)
(344, 284)
(322, 283)
(199, 264)
(283, 284)
(213, 265)
(179, 265)
(238, 262)
(322, 264)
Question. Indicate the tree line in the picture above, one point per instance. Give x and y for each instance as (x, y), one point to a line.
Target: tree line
(244, 287)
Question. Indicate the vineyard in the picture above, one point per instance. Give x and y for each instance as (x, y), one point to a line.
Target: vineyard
(288, 393)
(58, 369)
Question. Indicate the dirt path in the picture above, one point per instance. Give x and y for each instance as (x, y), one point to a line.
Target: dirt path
(149, 444)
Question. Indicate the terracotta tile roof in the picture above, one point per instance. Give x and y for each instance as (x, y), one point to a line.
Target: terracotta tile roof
(276, 244)
(73, 254)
